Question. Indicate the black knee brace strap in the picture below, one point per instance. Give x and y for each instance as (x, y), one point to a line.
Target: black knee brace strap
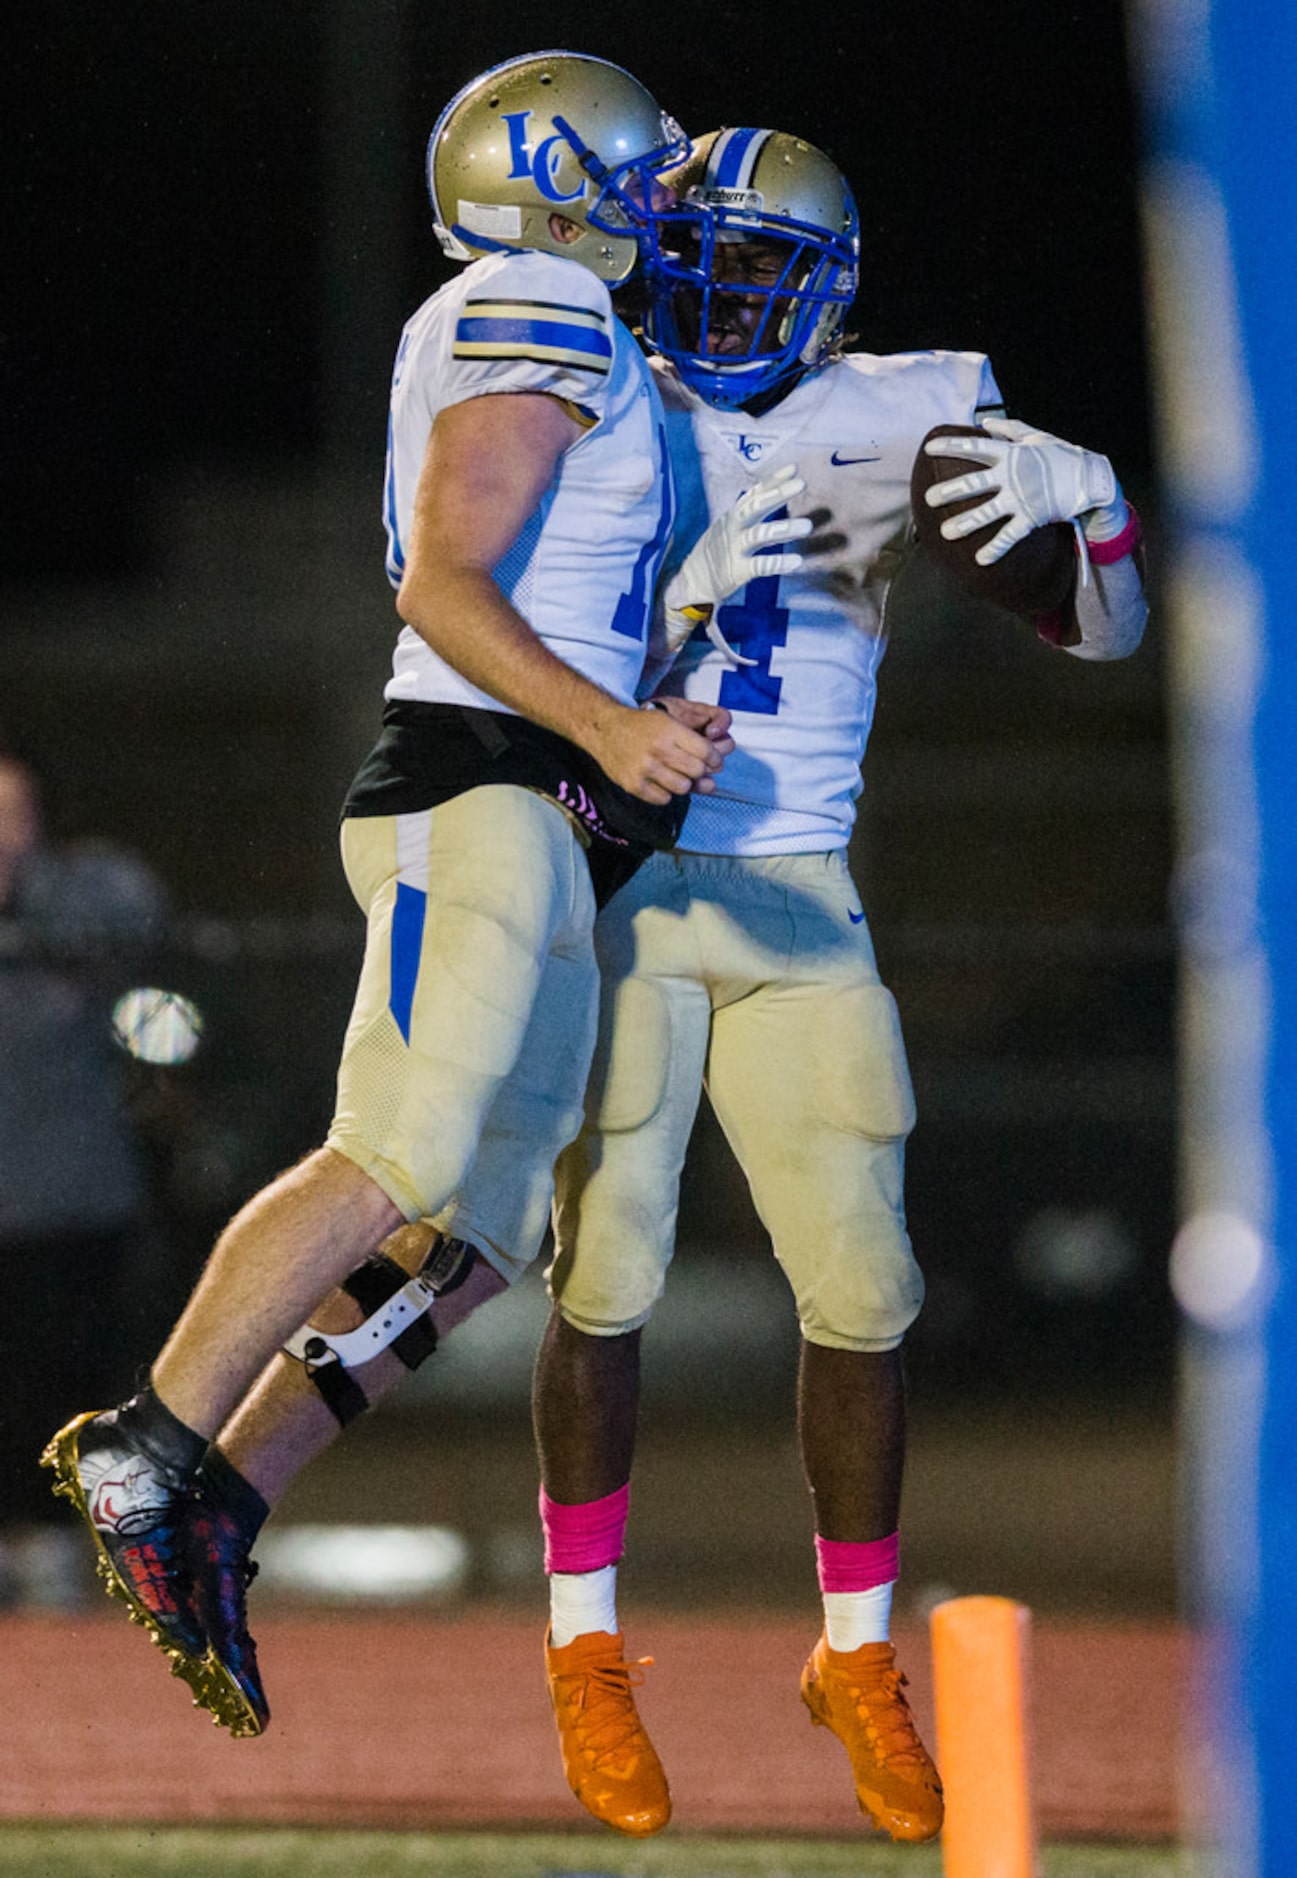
(447, 1266)
(371, 1285)
(328, 1358)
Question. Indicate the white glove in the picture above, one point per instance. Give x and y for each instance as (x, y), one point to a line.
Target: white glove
(726, 557)
(1032, 479)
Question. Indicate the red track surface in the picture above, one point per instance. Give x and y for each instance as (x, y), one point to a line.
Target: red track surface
(435, 1722)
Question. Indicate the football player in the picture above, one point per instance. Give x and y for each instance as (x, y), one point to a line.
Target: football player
(747, 946)
(742, 960)
(527, 503)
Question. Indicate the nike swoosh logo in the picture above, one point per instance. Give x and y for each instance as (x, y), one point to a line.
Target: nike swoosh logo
(855, 918)
(843, 462)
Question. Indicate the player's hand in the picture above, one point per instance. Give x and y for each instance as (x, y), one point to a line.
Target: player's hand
(1030, 479)
(713, 721)
(733, 550)
(654, 755)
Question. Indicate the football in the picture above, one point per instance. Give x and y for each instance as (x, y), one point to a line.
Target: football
(1034, 577)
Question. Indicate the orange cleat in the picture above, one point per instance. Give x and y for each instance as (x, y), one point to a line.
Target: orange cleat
(859, 1694)
(610, 1763)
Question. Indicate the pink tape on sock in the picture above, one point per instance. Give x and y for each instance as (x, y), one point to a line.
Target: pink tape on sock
(846, 1566)
(584, 1538)
(1104, 553)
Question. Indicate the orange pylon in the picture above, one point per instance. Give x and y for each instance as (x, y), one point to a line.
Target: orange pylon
(979, 1664)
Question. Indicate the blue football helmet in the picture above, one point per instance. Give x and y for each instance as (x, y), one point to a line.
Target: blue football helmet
(750, 278)
(551, 132)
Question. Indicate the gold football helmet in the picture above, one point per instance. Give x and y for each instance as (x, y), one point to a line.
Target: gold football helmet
(551, 132)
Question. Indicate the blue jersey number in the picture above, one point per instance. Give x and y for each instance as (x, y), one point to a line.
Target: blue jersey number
(632, 615)
(754, 626)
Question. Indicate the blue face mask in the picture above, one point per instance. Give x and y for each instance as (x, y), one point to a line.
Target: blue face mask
(743, 302)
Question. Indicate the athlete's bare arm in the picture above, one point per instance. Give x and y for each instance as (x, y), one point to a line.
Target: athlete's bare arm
(488, 464)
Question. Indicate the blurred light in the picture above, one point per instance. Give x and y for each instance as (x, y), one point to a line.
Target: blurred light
(157, 1026)
(383, 1563)
(1220, 1271)
(1065, 1252)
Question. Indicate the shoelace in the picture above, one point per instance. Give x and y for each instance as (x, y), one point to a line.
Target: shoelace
(602, 1696)
(889, 1724)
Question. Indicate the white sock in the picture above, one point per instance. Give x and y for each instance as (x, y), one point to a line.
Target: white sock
(855, 1617)
(580, 1602)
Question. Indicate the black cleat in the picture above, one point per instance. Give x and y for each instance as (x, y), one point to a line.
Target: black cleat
(222, 1573)
(140, 1519)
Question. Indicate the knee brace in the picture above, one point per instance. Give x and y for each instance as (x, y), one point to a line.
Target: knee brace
(398, 1317)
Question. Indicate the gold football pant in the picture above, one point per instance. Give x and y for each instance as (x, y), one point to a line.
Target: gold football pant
(474, 1019)
(756, 976)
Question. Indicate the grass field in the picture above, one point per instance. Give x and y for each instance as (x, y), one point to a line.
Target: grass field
(142, 1852)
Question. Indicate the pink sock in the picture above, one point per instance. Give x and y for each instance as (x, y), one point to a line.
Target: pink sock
(586, 1537)
(856, 1585)
(844, 1565)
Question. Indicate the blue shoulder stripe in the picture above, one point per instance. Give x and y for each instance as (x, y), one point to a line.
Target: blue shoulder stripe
(501, 336)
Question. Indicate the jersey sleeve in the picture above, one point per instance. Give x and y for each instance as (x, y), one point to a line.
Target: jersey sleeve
(990, 399)
(534, 323)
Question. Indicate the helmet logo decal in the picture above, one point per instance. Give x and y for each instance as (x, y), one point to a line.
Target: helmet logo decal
(541, 165)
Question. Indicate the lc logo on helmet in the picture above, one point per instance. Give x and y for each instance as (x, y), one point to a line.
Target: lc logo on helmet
(541, 165)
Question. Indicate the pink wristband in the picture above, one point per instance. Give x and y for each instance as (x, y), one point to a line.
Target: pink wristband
(1104, 553)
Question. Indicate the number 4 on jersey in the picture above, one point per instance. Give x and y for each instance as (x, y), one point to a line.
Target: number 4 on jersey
(754, 625)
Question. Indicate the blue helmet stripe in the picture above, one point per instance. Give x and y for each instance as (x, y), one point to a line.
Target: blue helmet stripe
(733, 157)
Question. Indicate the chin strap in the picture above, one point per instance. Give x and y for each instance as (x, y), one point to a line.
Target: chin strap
(397, 1317)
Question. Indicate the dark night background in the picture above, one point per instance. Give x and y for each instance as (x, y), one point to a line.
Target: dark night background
(190, 210)
(217, 226)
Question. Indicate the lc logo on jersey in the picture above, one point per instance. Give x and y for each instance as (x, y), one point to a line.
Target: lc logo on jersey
(749, 446)
(540, 164)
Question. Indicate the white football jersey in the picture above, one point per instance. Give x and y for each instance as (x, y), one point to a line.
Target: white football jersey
(803, 711)
(583, 569)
